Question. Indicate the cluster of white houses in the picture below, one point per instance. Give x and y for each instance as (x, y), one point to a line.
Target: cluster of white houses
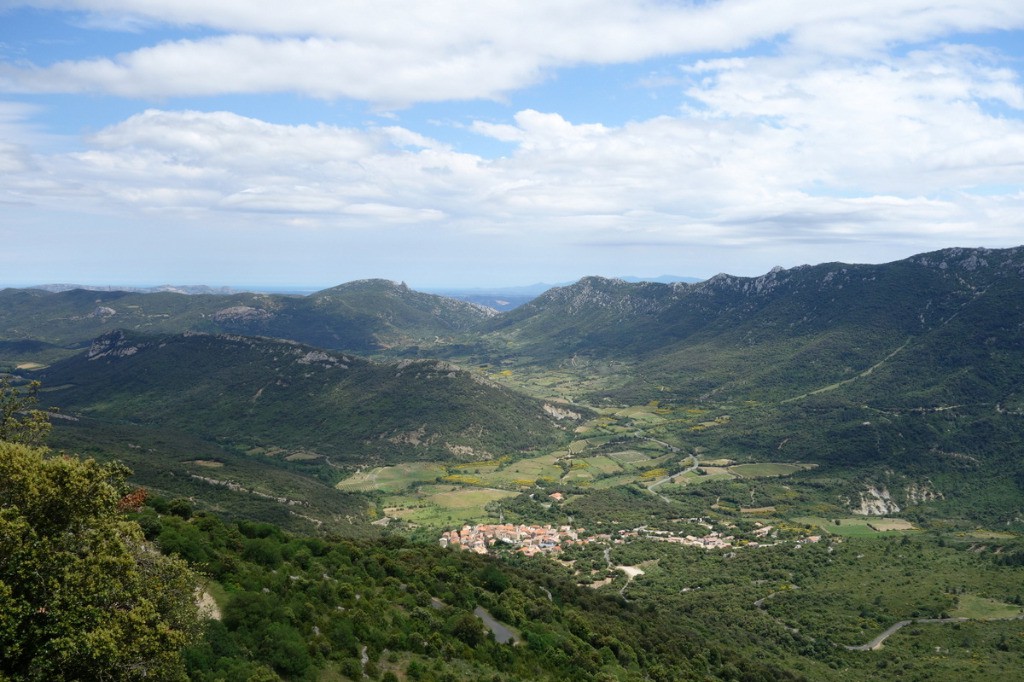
(529, 540)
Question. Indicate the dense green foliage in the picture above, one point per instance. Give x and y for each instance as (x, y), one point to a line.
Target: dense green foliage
(302, 607)
(364, 316)
(274, 395)
(296, 606)
(20, 421)
(82, 596)
(296, 495)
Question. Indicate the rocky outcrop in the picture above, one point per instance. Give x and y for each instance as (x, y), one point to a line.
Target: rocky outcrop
(876, 501)
(115, 345)
(103, 311)
(560, 413)
(242, 313)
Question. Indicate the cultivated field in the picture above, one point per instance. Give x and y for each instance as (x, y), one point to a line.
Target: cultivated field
(440, 505)
(393, 478)
(766, 469)
(884, 525)
(858, 526)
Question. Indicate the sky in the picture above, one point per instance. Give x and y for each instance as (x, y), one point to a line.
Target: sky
(485, 143)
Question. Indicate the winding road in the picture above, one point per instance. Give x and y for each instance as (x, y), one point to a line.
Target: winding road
(876, 643)
(662, 481)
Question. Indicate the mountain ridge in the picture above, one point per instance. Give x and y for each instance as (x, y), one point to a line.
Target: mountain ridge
(274, 394)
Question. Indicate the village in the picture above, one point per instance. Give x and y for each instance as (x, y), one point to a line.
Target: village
(548, 539)
(530, 540)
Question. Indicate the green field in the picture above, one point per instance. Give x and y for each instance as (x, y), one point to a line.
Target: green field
(602, 465)
(444, 506)
(583, 471)
(644, 415)
(578, 477)
(393, 478)
(468, 498)
(857, 526)
(630, 457)
(982, 608)
(613, 481)
(524, 472)
(766, 469)
(692, 477)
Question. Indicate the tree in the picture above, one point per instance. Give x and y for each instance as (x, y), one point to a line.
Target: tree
(82, 594)
(468, 628)
(20, 422)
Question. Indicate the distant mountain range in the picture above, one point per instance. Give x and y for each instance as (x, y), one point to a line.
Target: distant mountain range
(190, 289)
(777, 335)
(364, 316)
(498, 298)
(787, 331)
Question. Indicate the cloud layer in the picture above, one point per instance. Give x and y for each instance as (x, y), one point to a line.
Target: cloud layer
(788, 128)
(409, 51)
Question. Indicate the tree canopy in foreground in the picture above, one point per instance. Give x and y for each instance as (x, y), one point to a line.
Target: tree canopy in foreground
(82, 595)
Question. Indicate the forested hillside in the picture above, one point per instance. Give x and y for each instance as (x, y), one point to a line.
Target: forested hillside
(363, 316)
(280, 396)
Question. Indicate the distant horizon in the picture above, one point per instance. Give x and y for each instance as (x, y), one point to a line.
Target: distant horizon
(427, 288)
(315, 288)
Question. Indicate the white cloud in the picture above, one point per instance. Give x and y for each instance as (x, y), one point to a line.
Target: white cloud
(16, 135)
(766, 130)
(778, 152)
(418, 50)
(916, 126)
(828, 139)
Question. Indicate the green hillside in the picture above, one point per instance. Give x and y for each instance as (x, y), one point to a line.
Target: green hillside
(776, 336)
(275, 396)
(364, 316)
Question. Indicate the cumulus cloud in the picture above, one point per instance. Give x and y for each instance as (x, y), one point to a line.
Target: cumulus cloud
(418, 50)
(772, 149)
(830, 136)
(916, 125)
(195, 162)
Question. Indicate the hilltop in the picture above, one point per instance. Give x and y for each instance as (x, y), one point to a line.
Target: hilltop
(364, 316)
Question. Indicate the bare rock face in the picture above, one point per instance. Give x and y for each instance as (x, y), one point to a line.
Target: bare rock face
(103, 311)
(112, 345)
(876, 501)
(561, 412)
(319, 357)
(242, 313)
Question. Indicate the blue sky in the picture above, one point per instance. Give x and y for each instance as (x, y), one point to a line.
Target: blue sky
(483, 143)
